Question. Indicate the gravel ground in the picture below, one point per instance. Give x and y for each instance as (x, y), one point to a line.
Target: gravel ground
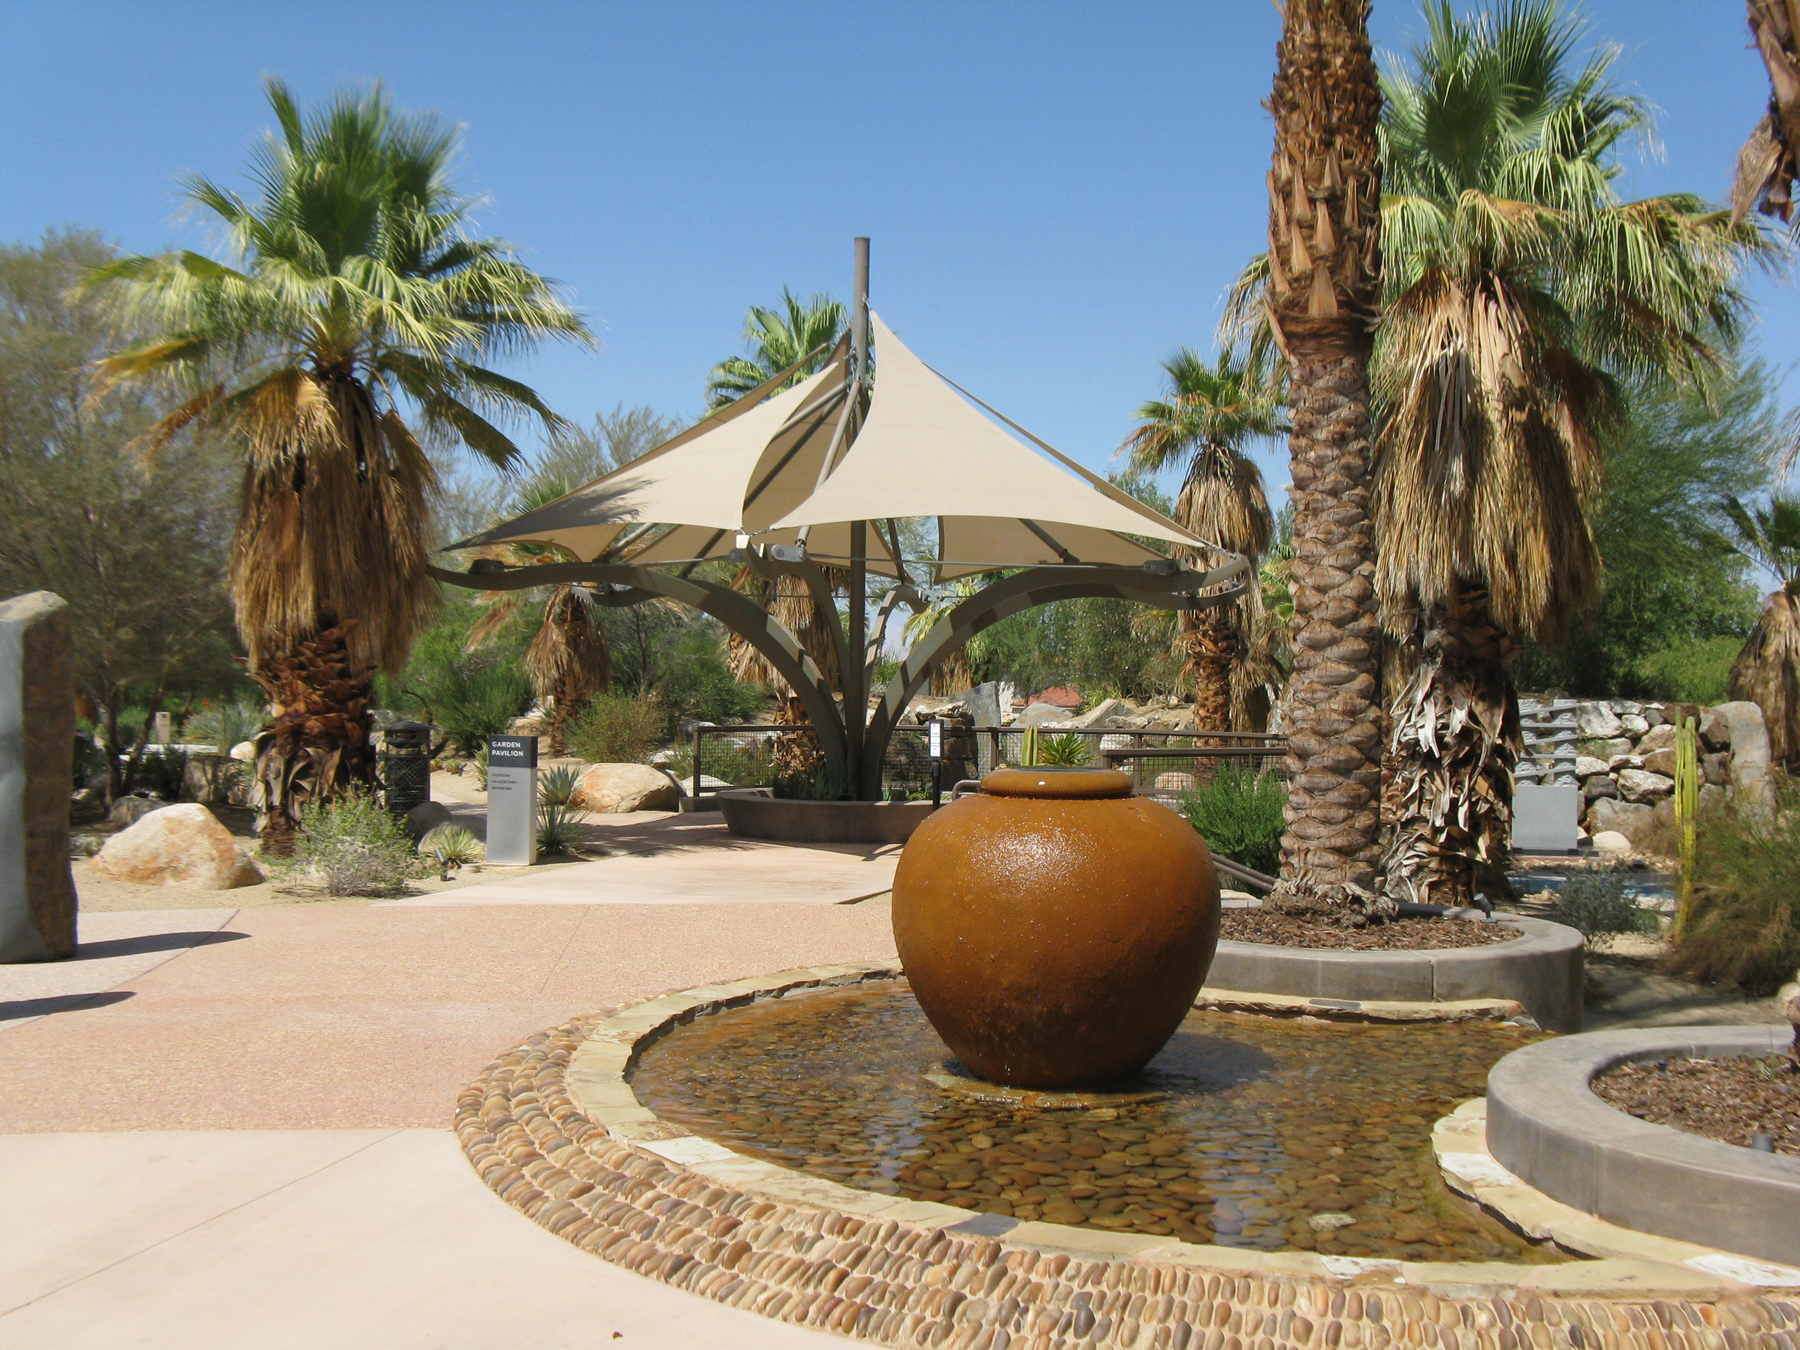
(1287, 930)
(1725, 1099)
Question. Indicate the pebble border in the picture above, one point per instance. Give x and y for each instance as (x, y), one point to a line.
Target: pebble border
(553, 1127)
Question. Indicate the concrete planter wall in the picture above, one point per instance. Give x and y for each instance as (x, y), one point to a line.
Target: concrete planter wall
(752, 814)
(1545, 1124)
(1542, 970)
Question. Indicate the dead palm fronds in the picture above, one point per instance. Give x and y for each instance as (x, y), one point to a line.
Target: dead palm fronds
(1764, 179)
(1767, 670)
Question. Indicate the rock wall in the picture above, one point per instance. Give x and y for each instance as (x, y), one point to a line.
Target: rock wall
(37, 755)
(1625, 761)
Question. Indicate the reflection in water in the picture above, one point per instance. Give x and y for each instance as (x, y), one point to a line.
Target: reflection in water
(1263, 1132)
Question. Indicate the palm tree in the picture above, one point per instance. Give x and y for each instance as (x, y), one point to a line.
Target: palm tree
(1324, 271)
(567, 660)
(1765, 166)
(354, 297)
(1206, 415)
(795, 335)
(1518, 286)
(1767, 671)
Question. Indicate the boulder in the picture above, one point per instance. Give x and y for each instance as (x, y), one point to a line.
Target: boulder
(1641, 785)
(245, 751)
(1612, 842)
(1654, 715)
(215, 780)
(1586, 766)
(1657, 738)
(1715, 730)
(181, 845)
(1717, 768)
(1600, 785)
(1662, 761)
(1596, 722)
(1174, 784)
(1627, 818)
(608, 788)
(1751, 784)
(1097, 715)
(423, 819)
(1609, 748)
(130, 810)
(1632, 724)
(1711, 797)
(1618, 762)
(1038, 714)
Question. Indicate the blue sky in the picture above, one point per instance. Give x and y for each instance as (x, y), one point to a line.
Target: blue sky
(1058, 194)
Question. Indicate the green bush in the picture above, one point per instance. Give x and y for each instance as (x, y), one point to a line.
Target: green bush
(558, 816)
(1697, 671)
(471, 698)
(1239, 815)
(455, 846)
(1066, 751)
(617, 729)
(1594, 903)
(162, 772)
(353, 846)
(225, 722)
(1744, 923)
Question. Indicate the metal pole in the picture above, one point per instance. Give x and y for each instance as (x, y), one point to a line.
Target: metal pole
(696, 765)
(856, 699)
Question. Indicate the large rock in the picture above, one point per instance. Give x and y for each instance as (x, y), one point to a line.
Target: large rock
(1657, 738)
(1097, 715)
(1630, 819)
(608, 788)
(128, 811)
(1608, 749)
(215, 780)
(1640, 785)
(37, 759)
(1715, 730)
(1717, 768)
(181, 845)
(1040, 714)
(1662, 761)
(1586, 766)
(1611, 842)
(1751, 784)
(1600, 785)
(1597, 722)
(423, 819)
(1631, 724)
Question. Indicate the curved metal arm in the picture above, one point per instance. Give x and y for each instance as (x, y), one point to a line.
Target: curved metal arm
(824, 601)
(737, 612)
(1027, 590)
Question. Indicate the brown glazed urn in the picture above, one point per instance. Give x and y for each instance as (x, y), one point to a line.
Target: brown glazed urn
(1055, 928)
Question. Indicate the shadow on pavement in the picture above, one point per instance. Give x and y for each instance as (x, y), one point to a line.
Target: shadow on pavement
(14, 1010)
(151, 942)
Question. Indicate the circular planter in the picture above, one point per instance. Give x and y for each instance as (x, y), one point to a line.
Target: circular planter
(1056, 928)
(753, 814)
(1541, 970)
(1545, 1124)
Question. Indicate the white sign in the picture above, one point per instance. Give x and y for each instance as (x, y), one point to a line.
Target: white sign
(512, 801)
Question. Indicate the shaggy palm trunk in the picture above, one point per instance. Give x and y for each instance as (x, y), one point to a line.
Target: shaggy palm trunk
(317, 744)
(1767, 673)
(1324, 287)
(1456, 740)
(578, 661)
(1213, 648)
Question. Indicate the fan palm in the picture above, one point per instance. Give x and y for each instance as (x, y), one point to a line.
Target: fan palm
(1767, 671)
(567, 660)
(794, 335)
(1765, 166)
(1517, 286)
(1208, 412)
(355, 297)
(1324, 269)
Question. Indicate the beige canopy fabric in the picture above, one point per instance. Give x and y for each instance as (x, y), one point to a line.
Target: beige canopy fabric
(924, 451)
(759, 467)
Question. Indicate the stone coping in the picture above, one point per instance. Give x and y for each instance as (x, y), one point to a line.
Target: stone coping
(1460, 1143)
(1546, 1125)
(553, 1127)
(1543, 970)
(751, 813)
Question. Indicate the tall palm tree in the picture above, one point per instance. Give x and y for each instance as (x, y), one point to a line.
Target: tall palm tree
(1324, 269)
(567, 660)
(1767, 671)
(1208, 412)
(1518, 285)
(777, 339)
(354, 298)
(1765, 165)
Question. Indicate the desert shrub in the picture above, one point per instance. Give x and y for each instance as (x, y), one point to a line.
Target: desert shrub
(813, 784)
(1595, 903)
(353, 846)
(471, 698)
(1239, 815)
(1744, 923)
(225, 722)
(617, 728)
(1067, 751)
(454, 846)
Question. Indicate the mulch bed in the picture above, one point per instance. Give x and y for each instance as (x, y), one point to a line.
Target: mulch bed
(1301, 930)
(1724, 1099)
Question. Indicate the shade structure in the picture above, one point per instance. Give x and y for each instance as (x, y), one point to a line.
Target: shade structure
(804, 464)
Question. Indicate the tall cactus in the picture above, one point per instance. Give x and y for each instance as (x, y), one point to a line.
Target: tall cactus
(1687, 804)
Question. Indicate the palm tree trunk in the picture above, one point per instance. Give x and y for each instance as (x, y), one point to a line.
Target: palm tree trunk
(1448, 788)
(317, 745)
(1213, 648)
(1324, 289)
(1767, 673)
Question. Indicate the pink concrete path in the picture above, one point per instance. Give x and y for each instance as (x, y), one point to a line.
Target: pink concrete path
(349, 1015)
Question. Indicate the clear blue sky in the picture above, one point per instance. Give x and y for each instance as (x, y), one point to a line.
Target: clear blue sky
(1057, 193)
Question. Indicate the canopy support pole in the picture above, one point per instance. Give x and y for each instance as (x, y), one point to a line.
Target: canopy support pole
(856, 695)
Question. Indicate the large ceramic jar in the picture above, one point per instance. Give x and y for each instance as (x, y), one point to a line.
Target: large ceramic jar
(1055, 928)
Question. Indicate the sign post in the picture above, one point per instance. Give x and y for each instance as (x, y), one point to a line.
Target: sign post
(512, 801)
(934, 747)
